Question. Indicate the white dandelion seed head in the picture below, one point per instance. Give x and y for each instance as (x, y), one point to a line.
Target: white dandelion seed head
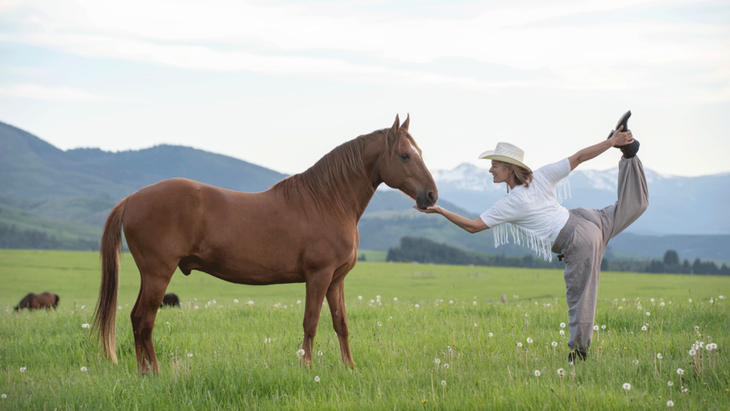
(661, 304)
(680, 371)
(23, 369)
(443, 382)
(417, 305)
(84, 369)
(119, 307)
(562, 332)
(85, 325)
(627, 386)
(490, 335)
(379, 324)
(722, 297)
(395, 298)
(670, 403)
(372, 301)
(267, 340)
(4, 396)
(692, 352)
(446, 366)
(620, 308)
(595, 328)
(554, 343)
(670, 383)
(437, 361)
(685, 389)
(300, 352)
(196, 307)
(519, 344)
(651, 300)
(529, 340)
(476, 324)
(250, 302)
(319, 353)
(659, 355)
(690, 300)
(377, 297)
(537, 373)
(561, 372)
(83, 307)
(190, 354)
(636, 362)
(451, 301)
(603, 327)
(643, 328)
(473, 303)
(562, 325)
(235, 301)
(316, 378)
(359, 297)
(648, 314)
(527, 315)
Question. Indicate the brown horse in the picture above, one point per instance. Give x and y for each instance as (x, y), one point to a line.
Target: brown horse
(38, 301)
(303, 229)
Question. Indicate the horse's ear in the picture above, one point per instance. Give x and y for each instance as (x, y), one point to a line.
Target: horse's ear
(404, 126)
(393, 132)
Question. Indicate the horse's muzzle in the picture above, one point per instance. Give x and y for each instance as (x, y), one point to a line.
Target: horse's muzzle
(427, 199)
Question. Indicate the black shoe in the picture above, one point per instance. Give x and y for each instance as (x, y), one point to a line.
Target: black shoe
(630, 150)
(623, 121)
(577, 354)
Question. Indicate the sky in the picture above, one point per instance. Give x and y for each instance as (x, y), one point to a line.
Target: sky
(281, 83)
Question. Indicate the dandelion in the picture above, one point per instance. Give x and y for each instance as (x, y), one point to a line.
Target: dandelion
(519, 345)
(685, 389)
(692, 352)
(446, 366)
(529, 340)
(4, 396)
(85, 325)
(395, 299)
(562, 325)
(603, 327)
(595, 328)
(659, 356)
(119, 307)
(267, 340)
(250, 302)
(670, 403)
(84, 369)
(554, 343)
(661, 304)
(417, 306)
(316, 378)
(300, 352)
(235, 301)
(190, 355)
(319, 353)
(359, 297)
(476, 324)
(680, 371)
(648, 314)
(562, 332)
(23, 369)
(651, 300)
(380, 324)
(490, 335)
(474, 303)
(195, 308)
(670, 383)
(690, 300)
(451, 301)
(437, 361)
(561, 372)
(627, 386)
(443, 382)
(537, 373)
(636, 362)
(643, 328)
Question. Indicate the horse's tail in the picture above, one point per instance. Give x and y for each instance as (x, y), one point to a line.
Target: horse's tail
(105, 317)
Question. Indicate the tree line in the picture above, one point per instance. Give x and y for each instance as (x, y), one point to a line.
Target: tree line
(13, 238)
(426, 251)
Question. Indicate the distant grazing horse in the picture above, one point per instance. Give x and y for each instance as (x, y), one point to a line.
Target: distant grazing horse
(303, 229)
(37, 301)
(170, 300)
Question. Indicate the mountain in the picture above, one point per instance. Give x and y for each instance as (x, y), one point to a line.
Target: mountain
(43, 188)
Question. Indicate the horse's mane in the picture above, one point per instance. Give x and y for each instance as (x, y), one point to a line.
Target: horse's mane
(328, 183)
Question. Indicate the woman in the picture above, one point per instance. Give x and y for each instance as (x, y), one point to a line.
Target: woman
(532, 213)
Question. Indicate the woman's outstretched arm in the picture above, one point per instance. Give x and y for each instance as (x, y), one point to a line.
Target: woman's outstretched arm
(619, 138)
(472, 226)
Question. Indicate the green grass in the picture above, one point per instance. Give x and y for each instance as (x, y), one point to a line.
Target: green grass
(394, 343)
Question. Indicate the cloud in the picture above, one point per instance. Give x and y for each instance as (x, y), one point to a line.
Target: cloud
(62, 93)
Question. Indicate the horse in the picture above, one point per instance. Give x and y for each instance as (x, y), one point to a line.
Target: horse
(38, 301)
(170, 300)
(301, 230)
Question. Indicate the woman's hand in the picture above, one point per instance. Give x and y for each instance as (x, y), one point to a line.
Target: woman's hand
(621, 138)
(430, 210)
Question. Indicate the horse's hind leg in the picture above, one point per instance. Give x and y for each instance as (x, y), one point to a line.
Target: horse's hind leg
(336, 300)
(154, 284)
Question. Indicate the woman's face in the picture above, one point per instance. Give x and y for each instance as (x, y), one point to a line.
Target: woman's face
(499, 172)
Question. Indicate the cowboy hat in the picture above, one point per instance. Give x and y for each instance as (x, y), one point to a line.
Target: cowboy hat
(507, 153)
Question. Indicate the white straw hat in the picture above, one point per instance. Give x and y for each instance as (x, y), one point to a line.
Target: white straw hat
(507, 153)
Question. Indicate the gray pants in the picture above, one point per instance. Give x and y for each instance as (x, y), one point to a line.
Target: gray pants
(583, 240)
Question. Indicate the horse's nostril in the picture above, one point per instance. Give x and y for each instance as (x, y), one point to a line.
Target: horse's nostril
(430, 196)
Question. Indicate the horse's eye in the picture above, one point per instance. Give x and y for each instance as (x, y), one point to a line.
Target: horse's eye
(405, 157)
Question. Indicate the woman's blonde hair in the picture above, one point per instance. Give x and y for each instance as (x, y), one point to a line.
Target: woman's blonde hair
(522, 175)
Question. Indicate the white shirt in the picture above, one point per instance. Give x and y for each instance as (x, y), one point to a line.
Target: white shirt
(533, 213)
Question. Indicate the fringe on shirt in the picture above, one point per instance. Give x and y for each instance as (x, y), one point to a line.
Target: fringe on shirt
(562, 190)
(520, 236)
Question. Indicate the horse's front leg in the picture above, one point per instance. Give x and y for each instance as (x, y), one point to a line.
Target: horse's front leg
(336, 300)
(317, 284)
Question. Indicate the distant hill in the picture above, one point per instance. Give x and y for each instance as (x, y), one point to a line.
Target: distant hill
(68, 195)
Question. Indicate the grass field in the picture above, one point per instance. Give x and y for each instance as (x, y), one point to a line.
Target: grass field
(228, 355)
